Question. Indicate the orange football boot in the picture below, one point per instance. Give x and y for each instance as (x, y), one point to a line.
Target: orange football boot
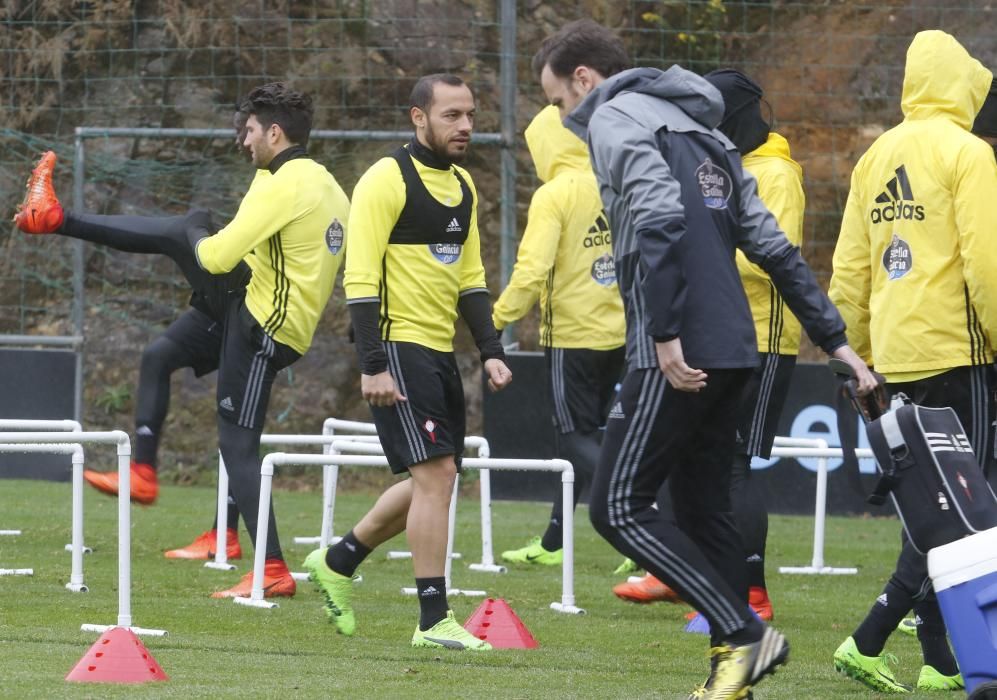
(203, 546)
(758, 599)
(277, 581)
(648, 590)
(40, 212)
(144, 486)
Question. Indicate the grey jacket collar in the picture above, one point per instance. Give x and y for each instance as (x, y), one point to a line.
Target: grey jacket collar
(690, 92)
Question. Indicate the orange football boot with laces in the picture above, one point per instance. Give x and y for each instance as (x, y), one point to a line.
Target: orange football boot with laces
(144, 485)
(40, 212)
(203, 546)
(648, 590)
(277, 581)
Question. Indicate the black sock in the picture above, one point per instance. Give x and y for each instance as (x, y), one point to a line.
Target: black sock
(884, 616)
(433, 605)
(933, 638)
(346, 555)
(750, 634)
(553, 538)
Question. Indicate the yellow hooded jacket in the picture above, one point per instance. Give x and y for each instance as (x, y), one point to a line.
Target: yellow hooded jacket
(914, 274)
(565, 257)
(780, 186)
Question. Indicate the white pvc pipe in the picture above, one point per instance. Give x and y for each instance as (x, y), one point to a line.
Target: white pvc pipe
(256, 599)
(220, 561)
(76, 451)
(120, 439)
(77, 481)
(806, 447)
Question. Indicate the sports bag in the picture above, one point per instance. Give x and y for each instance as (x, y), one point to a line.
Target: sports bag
(929, 471)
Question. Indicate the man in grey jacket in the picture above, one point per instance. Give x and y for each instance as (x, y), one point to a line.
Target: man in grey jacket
(679, 202)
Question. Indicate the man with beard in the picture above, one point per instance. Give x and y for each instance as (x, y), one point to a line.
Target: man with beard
(678, 204)
(414, 262)
(292, 222)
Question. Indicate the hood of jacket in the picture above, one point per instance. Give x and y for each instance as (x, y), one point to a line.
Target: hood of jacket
(553, 148)
(941, 80)
(775, 147)
(692, 93)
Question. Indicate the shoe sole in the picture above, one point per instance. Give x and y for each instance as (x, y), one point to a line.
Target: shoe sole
(646, 601)
(870, 681)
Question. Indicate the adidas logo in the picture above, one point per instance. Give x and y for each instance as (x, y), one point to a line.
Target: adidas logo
(453, 226)
(226, 403)
(754, 557)
(430, 591)
(144, 430)
(940, 442)
(616, 411)
(894, 201)
(883, 600)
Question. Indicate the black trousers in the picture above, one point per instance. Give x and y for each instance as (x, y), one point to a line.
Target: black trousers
(661, 434)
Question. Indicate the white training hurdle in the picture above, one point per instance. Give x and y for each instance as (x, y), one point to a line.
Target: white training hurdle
(75, 450)
(77, 479)
(567, 602)
(122, 443)
(801, 447)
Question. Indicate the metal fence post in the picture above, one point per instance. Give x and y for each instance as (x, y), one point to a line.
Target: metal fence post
(508, 82)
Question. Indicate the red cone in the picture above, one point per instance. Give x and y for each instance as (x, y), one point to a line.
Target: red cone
(117, 657)
(496, 623)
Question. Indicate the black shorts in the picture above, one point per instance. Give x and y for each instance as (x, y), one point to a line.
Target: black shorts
(432, 422)
(582, 384)
(762, 402)
(249, 362)
(201, 340)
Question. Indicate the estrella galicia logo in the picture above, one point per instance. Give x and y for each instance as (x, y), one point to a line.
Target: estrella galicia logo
(446, 253)
(604, 270)
(895, 203)
(334, 236)
(897, 258)
(715, 185)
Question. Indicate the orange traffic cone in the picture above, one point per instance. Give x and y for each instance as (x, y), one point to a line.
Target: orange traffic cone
(117, 657)
(496, 623)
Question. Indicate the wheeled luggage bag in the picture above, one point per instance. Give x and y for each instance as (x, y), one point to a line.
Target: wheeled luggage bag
(929, 471)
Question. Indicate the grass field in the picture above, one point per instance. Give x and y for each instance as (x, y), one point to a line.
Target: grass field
(217, 649)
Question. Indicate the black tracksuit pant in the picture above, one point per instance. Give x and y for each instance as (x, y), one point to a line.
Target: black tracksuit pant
(687, 438)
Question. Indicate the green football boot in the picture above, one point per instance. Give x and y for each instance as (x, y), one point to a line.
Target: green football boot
(930, 679)
(336, 589)
(534, 553)
(447, 634)
(871, 671)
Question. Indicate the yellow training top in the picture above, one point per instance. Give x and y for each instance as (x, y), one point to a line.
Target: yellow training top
(780, 187)
(416, 265)
(565, 257)
(294, 224)
(914, 264)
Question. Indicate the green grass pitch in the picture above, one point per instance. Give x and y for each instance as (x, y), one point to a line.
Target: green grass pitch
(216, 649)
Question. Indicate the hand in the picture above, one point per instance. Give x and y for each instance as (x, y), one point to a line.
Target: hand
(499, 375)
(865, 381)
(672, 363)
(379, 389)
